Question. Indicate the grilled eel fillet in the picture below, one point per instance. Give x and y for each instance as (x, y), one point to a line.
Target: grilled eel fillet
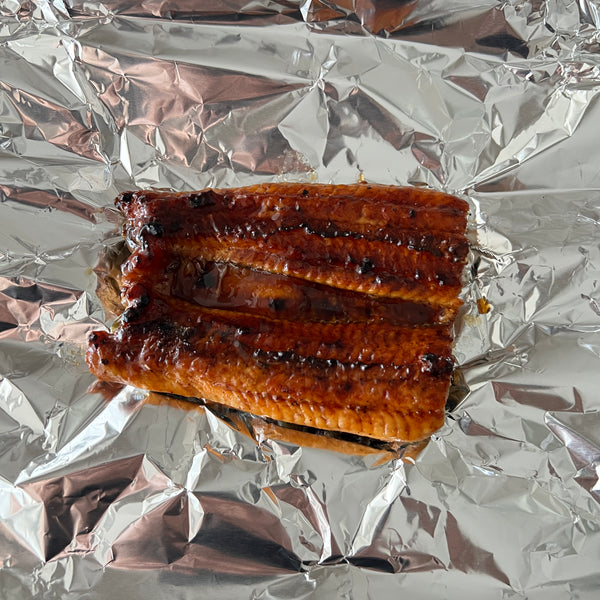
(328, 306)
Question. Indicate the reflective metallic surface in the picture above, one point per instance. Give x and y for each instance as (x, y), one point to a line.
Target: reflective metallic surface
(114, 493)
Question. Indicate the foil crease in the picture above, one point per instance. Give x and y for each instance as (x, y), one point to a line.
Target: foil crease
(116, 493)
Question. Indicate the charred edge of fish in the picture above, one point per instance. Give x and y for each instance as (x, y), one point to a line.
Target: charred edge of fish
(153, 228)
(125, 198)
(436, 365)
(137, 308)
(203, 199)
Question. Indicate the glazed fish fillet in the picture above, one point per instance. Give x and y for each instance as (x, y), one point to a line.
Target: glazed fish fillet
(327, 306)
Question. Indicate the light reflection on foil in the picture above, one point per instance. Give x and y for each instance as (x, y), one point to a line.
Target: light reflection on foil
(108, 492)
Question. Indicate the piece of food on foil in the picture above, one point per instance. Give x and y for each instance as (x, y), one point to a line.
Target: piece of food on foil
(327, 306)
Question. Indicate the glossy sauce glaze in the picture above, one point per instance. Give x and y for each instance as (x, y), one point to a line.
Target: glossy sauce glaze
(323, 306)
(218, 284)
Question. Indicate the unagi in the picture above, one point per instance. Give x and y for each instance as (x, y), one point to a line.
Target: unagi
(326, 306)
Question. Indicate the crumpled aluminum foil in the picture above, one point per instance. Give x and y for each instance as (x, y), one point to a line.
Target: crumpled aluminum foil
(116, 493)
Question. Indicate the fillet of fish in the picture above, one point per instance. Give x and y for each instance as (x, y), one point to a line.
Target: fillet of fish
(327, 306)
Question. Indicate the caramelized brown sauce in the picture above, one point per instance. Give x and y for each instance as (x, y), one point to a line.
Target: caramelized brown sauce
(214, 284)
(324, 306)
(483, 306)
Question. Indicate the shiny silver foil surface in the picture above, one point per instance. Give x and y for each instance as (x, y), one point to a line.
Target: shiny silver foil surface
(114, 493)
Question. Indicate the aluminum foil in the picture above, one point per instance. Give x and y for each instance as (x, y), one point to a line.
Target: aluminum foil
(117, 493)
